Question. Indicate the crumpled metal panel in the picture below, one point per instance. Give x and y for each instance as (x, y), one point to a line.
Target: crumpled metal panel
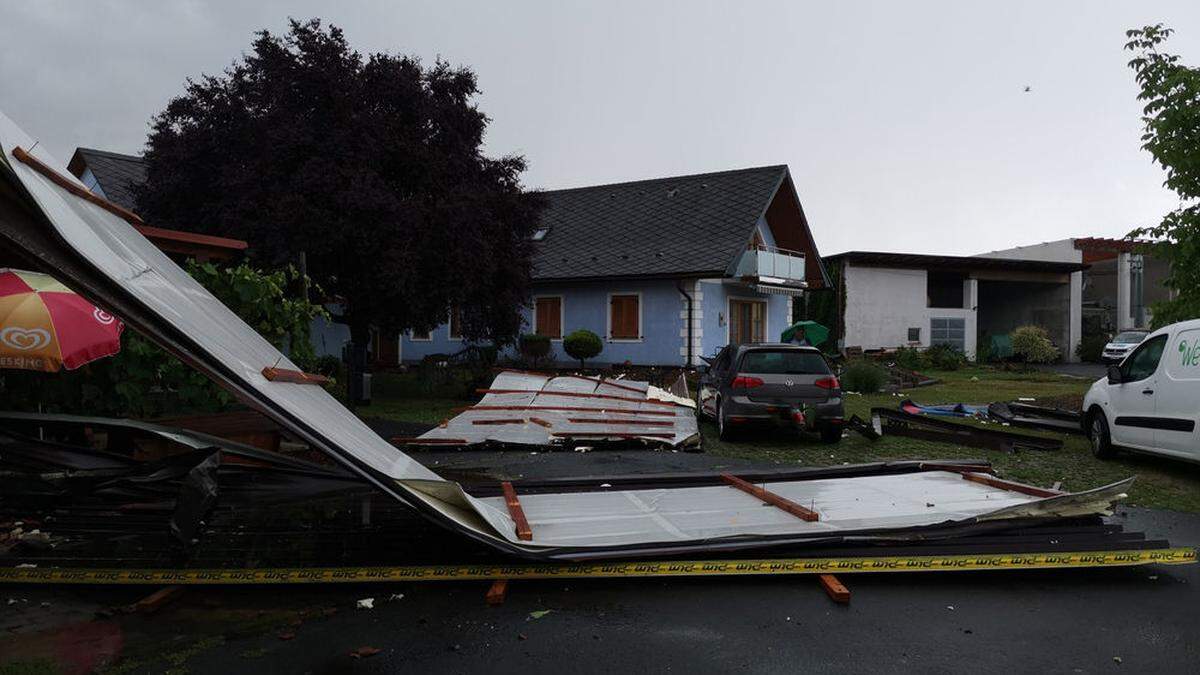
(538, 410)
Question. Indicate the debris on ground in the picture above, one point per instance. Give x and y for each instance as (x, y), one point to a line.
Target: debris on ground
(365, 603)
(364, 652)
(524, 409)
(537, 614)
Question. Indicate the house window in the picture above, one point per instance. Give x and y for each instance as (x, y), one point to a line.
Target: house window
(547, 316)
(945, 289)
(455, 323)
(914, 334)
(625, 317)
(420, 335)
(747, 321)
(948, 331)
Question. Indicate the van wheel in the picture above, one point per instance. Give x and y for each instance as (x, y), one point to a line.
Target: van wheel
(1099, 437)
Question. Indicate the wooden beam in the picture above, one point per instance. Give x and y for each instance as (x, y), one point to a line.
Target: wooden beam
(292, 376)
(1009, 485)
(771, 498)
(558, 408)
(497, 593)
(834, 589)
(501, 421)
(580, 394)
(524, 532)
(75, 188)
(610, 434)
(540, 422)
(639, 423)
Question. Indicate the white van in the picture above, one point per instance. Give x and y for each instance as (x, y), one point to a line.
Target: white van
(1151, 401)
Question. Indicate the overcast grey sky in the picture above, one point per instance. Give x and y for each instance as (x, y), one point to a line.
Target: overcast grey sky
(905, 124)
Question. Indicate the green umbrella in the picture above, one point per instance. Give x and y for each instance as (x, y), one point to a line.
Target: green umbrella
(814, 332)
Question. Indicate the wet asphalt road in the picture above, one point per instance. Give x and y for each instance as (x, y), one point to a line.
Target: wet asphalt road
(1079, 621)
(1064, 621)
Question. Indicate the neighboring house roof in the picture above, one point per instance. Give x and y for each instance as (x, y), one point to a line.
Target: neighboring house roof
(116, 174)
(951, 262)
(664, 227)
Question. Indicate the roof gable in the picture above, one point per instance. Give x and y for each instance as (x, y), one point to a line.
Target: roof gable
(117, 174)
(681, 225)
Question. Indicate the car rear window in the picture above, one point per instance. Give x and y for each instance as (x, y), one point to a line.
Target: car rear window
(783, 362)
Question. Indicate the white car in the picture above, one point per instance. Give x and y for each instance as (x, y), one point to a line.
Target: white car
(1120, 346)
(1151, 401)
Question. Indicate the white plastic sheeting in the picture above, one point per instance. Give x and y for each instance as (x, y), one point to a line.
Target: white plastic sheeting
(572, 521)
(541, 410)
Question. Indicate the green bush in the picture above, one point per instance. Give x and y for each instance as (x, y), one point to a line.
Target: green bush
(534, 347)
(983, 348)
(583, 344)
(1031, 344)
(1091, 348)
(863, 376)
(912, 359)
(945, 357)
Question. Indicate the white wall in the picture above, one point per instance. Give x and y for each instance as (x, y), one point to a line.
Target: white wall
(883, 303)
(1062, 250)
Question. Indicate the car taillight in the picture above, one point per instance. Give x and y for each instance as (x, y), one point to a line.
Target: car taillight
(747, 382)
(828, 383)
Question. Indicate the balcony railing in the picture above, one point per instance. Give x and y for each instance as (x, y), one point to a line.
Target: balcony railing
(768, 261)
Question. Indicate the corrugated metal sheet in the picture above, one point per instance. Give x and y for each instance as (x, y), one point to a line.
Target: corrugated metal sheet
(533, 409)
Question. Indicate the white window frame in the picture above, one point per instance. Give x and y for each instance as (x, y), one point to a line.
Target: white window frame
(608, 320)
(729, 316)
(562, 314)
(413, 336)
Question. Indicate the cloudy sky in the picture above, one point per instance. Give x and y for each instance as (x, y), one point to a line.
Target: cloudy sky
(907, 126)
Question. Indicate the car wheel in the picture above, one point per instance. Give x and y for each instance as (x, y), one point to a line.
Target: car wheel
(724, 429)
(1099, 437)
(831, 434)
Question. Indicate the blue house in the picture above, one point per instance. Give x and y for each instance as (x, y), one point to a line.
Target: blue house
(664, 270)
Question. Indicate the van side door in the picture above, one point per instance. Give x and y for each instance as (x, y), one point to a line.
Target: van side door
(1132, 399)
(1177, 396)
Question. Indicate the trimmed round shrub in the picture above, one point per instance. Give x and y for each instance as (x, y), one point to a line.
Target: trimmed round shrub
(1032, 345)
(863, 376)
(534, 347)
(583, 344)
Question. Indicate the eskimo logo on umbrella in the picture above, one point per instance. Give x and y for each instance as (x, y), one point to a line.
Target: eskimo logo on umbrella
(103, 316)
(25, 339)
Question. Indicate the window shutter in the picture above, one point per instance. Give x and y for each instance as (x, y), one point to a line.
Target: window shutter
(623, 317)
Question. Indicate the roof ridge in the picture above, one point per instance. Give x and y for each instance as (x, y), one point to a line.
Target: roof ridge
(666, 178)
(111, 155)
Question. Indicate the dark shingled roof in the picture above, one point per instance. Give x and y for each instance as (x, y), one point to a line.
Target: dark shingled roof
(116, 174)
(682, 225)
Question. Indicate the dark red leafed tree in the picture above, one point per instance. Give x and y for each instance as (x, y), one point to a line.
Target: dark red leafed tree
(370, 165)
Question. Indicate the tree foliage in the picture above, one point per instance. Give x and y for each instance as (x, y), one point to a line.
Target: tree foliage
(370, 165)
(1171, 119)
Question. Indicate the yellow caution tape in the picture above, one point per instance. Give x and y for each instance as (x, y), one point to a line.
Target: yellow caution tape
(601, 570)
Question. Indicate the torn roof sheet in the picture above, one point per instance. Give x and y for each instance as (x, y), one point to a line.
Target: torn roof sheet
(100, 255)
(534, 409)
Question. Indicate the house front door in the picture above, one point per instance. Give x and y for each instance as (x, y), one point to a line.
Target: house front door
(747, 321)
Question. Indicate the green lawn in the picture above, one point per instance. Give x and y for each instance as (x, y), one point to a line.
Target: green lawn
(1161, 483)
